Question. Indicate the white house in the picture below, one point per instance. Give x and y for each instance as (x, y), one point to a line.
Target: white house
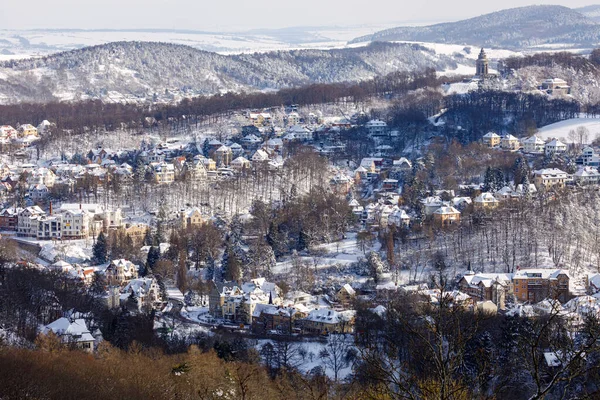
(27, 222)
(589, 158)
(550, 177)
(510, 143)
(586, 176)
(554, 147)
(376, 127)
(73, 332)
(533, 144)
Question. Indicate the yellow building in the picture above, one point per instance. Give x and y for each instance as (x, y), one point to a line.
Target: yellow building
(27, 130)
(550, 178)
(491, 139)
(191, 218)
(446, 215)
(486, 201)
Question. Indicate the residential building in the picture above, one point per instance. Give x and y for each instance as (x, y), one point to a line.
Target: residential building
(293, 118)
(9, 218)
(145, 291)
(49, 227)
(163, 173)
(72, 332)
(346, 295)
(27, 222)
(533, 144)
(556, 86)
(376, 127)
(222, 156)
(446, 215)
(241, 164)
(269, 317)
(535, 285)
(491, 139)
(550, 178)
(586, 176)
(589, 158)
(191, 218)
(482, 287)
(555, 147)
(341, 184)
(121, 271)
(325, 321)
(76, 224)
(510, 143)
(485, 201)
(27, 130)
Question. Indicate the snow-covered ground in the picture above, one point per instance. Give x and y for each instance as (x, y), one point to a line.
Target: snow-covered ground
(560, 130)
(342, 253)
(312, 350)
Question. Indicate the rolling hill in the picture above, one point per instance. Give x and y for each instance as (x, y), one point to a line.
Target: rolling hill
(141, 71)
(516, 28)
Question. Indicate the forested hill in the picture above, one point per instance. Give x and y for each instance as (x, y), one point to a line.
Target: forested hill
(515, 28)
(132, 71)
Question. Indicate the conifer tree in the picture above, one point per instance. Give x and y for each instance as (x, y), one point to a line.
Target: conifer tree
(100, 249)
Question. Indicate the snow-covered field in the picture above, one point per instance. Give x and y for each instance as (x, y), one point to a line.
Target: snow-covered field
(312, 351)
(341, 253)
(560, 130)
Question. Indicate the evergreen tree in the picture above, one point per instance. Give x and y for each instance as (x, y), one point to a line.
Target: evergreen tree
(493, 180)
(276, 240)
(100, 249)
(153, 257)
(375, 266)
(520, 170)
(210, 269)
(148, 240)
(231, 265)
(206, 148)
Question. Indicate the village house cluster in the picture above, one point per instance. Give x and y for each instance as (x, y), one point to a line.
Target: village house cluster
(260, 305)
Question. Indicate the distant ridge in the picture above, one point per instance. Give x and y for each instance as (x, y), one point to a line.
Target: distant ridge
(514, 28)
(142, 71)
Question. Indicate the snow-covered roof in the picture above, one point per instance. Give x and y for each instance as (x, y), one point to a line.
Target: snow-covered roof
(485, 198)
(550, 173)
(491, 135)
(540, 273)
(446, 210)
(68, 330)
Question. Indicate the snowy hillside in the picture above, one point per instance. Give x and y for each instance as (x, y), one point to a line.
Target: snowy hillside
(523, 27)
(138, 71)
(560, 130)
(592, 12)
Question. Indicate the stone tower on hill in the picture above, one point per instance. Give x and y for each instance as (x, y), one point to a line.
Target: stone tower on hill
(482, 65)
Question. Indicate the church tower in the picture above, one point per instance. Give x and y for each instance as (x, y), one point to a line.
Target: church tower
(482, 65)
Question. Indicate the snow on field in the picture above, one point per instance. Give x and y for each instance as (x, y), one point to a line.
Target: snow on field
(560, 130)
(312, 357)
(174, 293)
(460, 87)
(71, 252)
(469, 52)
(343, 252)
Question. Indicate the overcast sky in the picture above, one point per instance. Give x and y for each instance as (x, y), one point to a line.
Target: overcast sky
(239, 14)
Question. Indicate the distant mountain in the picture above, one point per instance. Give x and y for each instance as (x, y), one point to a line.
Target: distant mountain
(141, 71)
(592, 12)
(515, 28)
